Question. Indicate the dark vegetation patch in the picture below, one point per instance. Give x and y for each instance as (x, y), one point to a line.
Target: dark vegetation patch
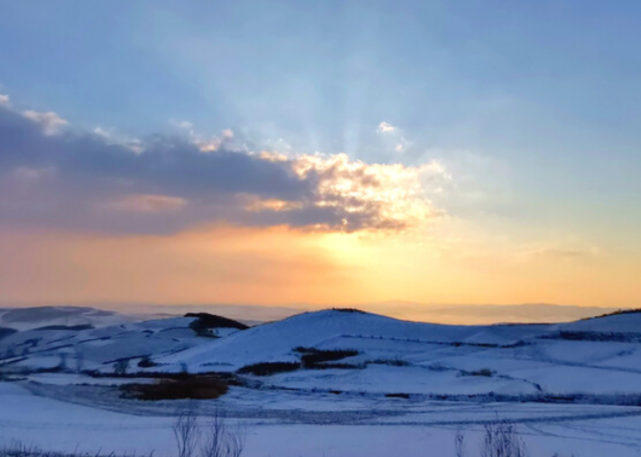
(614, 313)
(205, 323)
(229, 378)
(617, 337)
(6, 331)
(337, 366)
(214, 321)
(349, 310)
(575, 398)
(486, 372)
(398, 395)
(192, 387)
(317, 358)
(441, 343)
(457, 344)
(18, 449)
(72, 328)
(146, 362)
(390, 362)
(269, 368)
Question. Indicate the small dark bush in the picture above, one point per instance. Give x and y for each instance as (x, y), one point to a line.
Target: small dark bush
(269, 368)
(618, 337)
(146, 362)
(398, 395)
(121, 367)
(390, 362)
(349, 310)
(197, 388)
(482, 372)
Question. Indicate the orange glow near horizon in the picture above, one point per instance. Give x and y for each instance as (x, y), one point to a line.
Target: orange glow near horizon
(281, 266)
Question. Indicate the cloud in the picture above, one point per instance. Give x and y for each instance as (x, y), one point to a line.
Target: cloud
(112, 137)
(50, 121)
(167, 184)
(205, 144)
(148, 203)
(385, 127)
(393, 137)
(4, 100)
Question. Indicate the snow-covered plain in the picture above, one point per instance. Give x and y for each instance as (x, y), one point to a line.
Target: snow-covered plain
(409, 387)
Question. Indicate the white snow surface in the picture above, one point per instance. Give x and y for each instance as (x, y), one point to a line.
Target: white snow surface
(476, 373)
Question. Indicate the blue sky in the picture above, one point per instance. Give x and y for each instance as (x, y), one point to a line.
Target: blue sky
(515, 79)
(451, 73)
(533, 107)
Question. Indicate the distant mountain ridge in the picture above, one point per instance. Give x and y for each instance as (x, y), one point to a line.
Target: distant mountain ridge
(68, 316)
(38, 316)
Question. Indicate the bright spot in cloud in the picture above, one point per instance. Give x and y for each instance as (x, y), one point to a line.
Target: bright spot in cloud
(391, 195)
(203, 143)
(385, 127)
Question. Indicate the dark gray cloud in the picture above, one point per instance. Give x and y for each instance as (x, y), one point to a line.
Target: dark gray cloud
(84, 181)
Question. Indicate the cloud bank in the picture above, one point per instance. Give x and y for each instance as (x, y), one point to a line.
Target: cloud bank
(54, 177)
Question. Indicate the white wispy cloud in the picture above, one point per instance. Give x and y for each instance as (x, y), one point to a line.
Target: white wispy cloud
(385, 127)
(50, 121)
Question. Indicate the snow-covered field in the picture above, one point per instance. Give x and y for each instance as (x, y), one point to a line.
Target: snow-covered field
(404, 388)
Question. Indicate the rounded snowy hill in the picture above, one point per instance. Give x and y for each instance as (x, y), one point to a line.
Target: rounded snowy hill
(337, 329)
(41, 316)
(623, 322)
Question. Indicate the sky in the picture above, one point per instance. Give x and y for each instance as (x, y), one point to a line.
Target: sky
(320, 153)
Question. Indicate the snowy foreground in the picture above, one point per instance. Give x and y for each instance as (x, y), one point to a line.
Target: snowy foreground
(404, 389)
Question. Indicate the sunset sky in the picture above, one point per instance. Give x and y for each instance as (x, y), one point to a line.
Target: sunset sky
(320, 153)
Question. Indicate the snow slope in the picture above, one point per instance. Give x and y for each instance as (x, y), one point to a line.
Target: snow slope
(31, 318)
(470, 366)
(332, 329)
(96, 349)
(393, 356)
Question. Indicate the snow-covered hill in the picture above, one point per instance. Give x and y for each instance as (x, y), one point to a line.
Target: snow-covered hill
(30, 318)
(384, 355)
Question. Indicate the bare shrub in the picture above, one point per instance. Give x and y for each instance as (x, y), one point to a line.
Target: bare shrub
(222, 439)
(121, 367)
(214, 438)
(459, 444)
(62, 364)
(186, 431)
(502, 440)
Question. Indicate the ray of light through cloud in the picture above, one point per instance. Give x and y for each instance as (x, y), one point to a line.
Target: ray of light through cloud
(460, 153)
